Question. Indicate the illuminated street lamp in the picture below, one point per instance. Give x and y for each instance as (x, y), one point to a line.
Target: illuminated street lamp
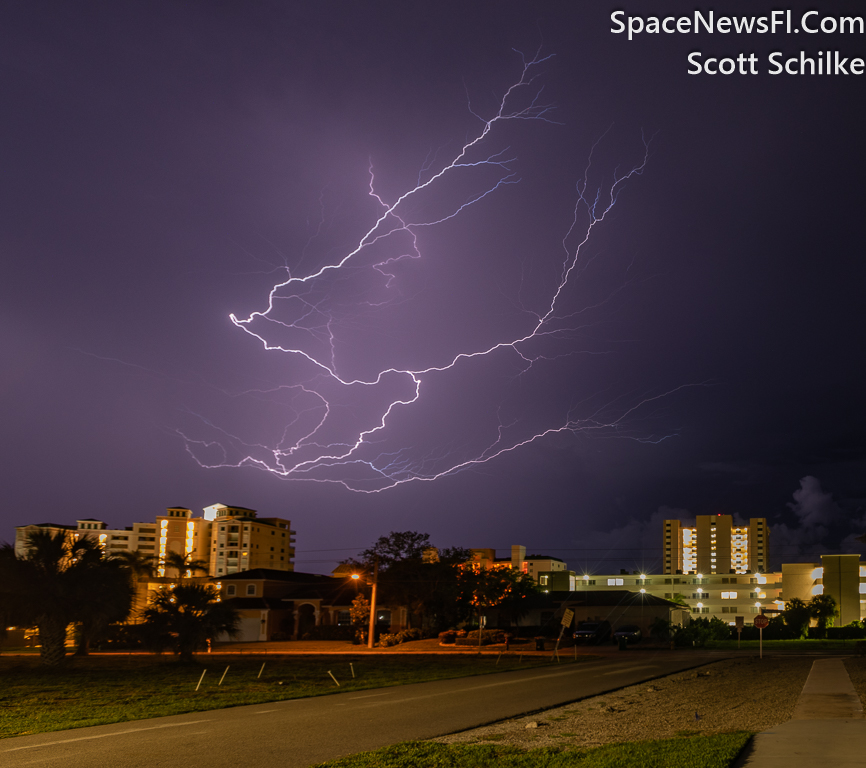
(371, 634)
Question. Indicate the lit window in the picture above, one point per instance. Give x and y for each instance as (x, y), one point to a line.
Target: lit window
(614, 582)
(729, 595)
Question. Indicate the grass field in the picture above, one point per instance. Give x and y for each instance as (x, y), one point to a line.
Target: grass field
(718, 751)
(786, 645)
(110, 689)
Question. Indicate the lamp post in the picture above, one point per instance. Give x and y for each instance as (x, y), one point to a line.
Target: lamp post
(370, 636)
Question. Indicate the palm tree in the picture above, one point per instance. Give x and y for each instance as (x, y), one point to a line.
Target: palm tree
(796, 615)
(106, 596)
(139, 568)
(61, 580)
(48, 591)
(185, 565)
(823, 610)
(191, 614)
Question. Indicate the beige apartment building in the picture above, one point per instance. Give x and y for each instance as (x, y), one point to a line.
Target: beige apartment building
(228, 539)
(714, 544)
(241, 541)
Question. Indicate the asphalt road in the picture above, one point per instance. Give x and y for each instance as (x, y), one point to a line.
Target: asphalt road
(301, 732)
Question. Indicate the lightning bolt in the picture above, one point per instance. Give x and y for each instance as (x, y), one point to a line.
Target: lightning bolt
(340, 423)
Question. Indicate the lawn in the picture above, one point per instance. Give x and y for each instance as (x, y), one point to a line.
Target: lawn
(718, 751)
(800, 646)
(108, 689)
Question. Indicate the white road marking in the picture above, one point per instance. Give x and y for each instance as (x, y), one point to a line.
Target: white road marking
(628, 669)
(105, 735)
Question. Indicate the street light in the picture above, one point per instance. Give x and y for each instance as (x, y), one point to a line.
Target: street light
(373, 604)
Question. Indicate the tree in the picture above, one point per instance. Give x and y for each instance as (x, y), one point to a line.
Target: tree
(502, 588)
(62, 579)
(138, 567)
(185, 564)
(797, 615)
(138, 564)
(359, 612)
(190, 614)
(823, 610)
(411, 572)
(106, 597)
(397, 547)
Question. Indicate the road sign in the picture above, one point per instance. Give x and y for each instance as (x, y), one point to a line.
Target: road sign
(567, 617)
(761, 621)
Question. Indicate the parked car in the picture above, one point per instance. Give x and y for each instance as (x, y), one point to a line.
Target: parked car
(630, 632)
(592, 632)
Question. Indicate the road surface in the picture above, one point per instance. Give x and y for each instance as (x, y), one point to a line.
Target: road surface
(301, 732)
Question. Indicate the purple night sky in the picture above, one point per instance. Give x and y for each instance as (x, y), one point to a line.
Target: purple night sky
(166, 165)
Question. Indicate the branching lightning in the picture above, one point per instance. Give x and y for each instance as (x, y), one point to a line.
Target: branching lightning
(339, 428)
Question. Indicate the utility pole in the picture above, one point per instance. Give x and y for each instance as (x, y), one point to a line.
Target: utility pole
(370, 635)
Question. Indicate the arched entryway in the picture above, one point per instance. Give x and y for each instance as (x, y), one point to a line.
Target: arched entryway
(306, 620)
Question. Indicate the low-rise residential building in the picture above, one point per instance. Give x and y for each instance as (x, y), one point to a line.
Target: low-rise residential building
(706, 595)
(619, 607)
(532, 565)
(749, 594)
(557, 581)
(282, 605)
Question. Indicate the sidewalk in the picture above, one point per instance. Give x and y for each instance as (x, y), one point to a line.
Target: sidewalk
(828, 727)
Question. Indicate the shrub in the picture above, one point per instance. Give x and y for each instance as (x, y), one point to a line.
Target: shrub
(488, 637)
(448, 637)
(701, 630)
